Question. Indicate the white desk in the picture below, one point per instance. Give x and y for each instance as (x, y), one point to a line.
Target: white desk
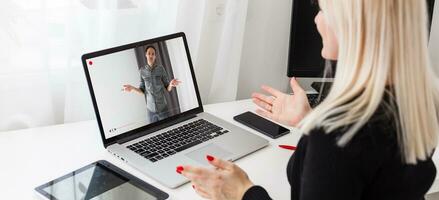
(32, 157)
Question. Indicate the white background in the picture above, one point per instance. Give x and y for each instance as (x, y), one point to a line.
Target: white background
(118, 109)
(180, 65)
(41, 77)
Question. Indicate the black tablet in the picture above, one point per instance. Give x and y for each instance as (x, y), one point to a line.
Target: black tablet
(100, 180)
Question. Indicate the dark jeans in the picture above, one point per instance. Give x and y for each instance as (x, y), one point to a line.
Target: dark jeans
(156, 116)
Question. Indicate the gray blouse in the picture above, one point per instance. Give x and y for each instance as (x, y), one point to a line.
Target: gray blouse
(154, 81)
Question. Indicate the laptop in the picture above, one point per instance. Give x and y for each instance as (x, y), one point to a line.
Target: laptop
(149, 111)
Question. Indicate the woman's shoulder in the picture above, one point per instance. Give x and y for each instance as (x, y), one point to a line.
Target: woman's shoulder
(376, 140)
(368, 151)
(379, 132)
(374, 143)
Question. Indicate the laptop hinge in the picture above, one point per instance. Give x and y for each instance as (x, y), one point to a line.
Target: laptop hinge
(156, 128)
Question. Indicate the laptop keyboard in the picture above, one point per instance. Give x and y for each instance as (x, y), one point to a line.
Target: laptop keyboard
(178, 139)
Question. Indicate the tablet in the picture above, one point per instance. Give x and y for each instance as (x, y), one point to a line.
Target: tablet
(100, 180)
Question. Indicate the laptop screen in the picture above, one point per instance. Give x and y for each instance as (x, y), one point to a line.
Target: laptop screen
(142, 85)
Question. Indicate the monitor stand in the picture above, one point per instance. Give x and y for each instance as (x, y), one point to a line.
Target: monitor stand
(312, 87)
(306, 84)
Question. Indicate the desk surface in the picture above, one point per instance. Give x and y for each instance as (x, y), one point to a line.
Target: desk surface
(32, 157)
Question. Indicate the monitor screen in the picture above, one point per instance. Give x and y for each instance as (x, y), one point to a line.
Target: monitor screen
(304, 58)
(142, 85)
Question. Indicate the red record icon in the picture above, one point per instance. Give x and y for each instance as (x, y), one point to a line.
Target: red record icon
(90, 62)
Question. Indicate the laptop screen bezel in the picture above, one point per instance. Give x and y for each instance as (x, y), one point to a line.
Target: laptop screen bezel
(143, 130)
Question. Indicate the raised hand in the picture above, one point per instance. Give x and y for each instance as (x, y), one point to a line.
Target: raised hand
(128, 88)
(174, 82)
(283, 108)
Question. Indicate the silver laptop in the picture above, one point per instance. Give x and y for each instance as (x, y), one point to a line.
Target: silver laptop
(149, 110)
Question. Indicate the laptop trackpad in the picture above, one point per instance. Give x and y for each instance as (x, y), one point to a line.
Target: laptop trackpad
(199, 155)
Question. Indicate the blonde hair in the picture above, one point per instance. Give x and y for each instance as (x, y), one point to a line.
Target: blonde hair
(381, 42)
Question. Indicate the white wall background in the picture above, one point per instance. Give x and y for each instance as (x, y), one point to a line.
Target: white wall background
(220, 46)
(236, 45)
(123, 111)
(187, 98)
(41, 78)
(265, 49)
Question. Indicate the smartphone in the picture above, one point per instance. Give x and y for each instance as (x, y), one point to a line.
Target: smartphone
(261, 124)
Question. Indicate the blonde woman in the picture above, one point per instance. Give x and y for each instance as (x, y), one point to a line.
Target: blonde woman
(375, 133)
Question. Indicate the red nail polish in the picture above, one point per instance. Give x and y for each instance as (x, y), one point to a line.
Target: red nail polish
(179, 169)
(193, 186)
(209, 157)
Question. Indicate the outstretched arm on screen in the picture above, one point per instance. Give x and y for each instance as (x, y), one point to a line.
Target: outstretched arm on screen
(172, 84)
(130, 88)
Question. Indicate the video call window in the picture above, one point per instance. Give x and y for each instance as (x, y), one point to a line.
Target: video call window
(143, 85)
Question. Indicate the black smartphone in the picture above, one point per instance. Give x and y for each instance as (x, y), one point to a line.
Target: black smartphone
(261, 124)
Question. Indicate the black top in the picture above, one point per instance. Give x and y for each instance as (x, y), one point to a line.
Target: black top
(369, 167)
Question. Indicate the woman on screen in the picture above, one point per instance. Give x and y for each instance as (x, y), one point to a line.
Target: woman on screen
(154, 82)
(373, 136)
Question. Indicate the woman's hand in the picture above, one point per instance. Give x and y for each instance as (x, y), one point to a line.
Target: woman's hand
(224, 182)
(283, 108)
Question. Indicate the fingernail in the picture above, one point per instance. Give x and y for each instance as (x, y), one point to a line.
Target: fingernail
(179, 169)
(209, 157)
(193, 186)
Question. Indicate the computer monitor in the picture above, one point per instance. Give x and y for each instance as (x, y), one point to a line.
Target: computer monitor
(304, 57)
